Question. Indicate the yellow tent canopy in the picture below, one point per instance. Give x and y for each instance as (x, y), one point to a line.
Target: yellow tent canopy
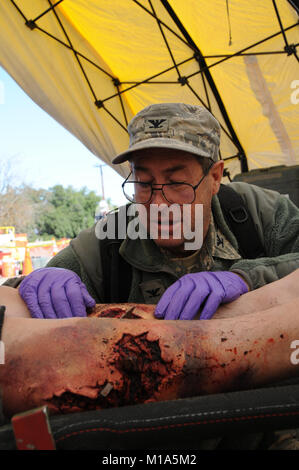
(93, 64)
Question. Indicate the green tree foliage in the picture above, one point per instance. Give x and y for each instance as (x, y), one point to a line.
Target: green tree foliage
(44, 213)
(64, 212)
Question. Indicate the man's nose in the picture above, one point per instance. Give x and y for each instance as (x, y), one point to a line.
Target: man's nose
(157, 197)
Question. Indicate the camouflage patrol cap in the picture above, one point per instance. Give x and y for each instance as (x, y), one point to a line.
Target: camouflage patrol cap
(178, 126)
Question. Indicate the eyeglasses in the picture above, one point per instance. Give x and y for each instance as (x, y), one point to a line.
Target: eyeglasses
(175, 193)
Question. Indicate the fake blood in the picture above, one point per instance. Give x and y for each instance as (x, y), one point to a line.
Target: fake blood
(143, 365)
(116, 362)
(112, 313)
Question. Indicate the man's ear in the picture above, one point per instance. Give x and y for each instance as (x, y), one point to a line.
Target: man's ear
(216, 173)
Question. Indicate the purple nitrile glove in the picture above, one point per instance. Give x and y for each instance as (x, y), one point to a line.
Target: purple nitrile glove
(183, 299)
(55, 293)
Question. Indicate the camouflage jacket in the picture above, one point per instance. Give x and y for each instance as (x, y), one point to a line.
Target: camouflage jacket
(277, 222)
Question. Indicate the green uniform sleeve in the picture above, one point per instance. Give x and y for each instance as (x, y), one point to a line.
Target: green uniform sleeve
(277, 220)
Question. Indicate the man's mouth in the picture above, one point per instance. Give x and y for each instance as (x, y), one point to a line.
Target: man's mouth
(165, 221)
(165, 228)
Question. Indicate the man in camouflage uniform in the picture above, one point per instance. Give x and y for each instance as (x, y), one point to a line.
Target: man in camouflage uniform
(174, 143)
(165, 135)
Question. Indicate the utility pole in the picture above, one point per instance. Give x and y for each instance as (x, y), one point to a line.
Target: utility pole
(102, 179)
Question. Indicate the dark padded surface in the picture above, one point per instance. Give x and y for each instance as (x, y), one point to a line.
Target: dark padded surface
(179, 424)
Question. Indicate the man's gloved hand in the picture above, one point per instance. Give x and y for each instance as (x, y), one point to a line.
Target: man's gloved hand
(55, 293)
(183, 299)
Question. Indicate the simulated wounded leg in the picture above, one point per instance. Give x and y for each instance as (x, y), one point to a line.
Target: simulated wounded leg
(94, 363)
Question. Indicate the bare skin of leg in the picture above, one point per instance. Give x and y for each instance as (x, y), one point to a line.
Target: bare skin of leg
(46, 361)
(276, 293)
(15, 306)
(93, 363)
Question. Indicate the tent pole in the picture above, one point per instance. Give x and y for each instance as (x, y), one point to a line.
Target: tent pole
(289, 48)
(202, 64)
